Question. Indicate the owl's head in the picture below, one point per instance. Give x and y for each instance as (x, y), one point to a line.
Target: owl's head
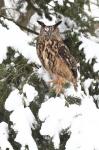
(49, 31)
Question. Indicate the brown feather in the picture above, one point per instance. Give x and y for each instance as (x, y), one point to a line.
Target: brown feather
(56, 57)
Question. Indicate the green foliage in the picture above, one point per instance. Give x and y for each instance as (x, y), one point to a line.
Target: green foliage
(12, 135)
(16, 71)
(86, 67)
(4, 88)
(64, 136)
(43, 142)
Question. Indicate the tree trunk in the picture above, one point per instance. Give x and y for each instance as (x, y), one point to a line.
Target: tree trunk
(25, 18)
(2, 5)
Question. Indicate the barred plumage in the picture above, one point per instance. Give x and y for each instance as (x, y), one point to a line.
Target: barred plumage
(55, 56)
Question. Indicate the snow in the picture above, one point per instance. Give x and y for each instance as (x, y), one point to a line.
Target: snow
(91, 49)
(30, 92)
(42, 73)
(17, 39)
(80, 121)
(85, 128)
(60, 2)
(96, 67)
(93, 11)
(72, 1)
(10, 7)
(12, 10)
(13, 101)
(87, 84)
(67, 24)
(22, 126)
(4, 143)
(34, 17)
(68, 5)
(48, 22)
(22, 117)
(55, 117)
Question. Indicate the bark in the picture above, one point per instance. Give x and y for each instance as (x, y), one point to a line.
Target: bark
(25, 18)
(2, 5)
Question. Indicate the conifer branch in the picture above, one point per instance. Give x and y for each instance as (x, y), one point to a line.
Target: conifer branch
(22, 27)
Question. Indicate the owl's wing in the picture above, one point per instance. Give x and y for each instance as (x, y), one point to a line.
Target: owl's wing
(64, 53)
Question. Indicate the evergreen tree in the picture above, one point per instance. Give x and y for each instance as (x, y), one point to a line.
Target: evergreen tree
(15, 72)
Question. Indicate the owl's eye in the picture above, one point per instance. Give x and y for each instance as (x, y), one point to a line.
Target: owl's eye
(46, 29)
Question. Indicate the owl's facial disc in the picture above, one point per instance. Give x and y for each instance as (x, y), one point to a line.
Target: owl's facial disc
(48, 31)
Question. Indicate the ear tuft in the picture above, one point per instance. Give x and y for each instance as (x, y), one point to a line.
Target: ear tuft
(58, 23)
(41, 23)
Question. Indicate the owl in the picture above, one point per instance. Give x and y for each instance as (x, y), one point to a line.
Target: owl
(56, 57)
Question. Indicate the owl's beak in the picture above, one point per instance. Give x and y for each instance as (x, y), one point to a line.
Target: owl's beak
(49, 34)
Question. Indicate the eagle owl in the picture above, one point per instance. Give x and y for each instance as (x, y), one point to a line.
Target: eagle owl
(55, 57)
